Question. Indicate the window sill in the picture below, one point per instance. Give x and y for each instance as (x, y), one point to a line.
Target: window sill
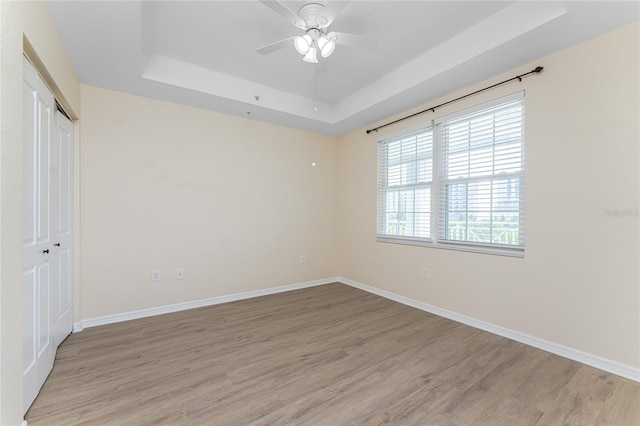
(455, 245)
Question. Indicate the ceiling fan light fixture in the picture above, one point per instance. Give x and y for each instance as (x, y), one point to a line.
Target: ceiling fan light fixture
(311, 56)
(327, 46)
(322, 40)
(302, 44)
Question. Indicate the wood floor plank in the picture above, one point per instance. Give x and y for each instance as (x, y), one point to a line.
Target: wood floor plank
(326, 355)
(543, 384)
(622, 406)
(573, 408)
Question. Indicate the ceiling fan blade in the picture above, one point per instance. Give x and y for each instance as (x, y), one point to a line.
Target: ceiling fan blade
(332, 10)
(282, 10)
(269, 48)
(355, 40)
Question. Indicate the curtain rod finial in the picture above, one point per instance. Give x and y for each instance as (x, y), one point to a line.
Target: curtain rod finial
(538, 69)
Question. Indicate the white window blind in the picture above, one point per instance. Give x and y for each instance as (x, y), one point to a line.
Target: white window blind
(481, 178)
(469, 195)
(405, 172)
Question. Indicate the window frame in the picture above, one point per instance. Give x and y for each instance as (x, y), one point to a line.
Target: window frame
(381, 201)
(438, 198)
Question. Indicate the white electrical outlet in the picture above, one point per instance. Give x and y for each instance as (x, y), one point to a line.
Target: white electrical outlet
(303, 258)
(155, 275)
(425, 273)
(179, 273)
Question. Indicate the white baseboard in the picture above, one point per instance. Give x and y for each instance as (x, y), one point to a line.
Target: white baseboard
(604, 364)
(143, 313)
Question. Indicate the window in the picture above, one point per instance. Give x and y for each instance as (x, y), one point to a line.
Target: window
(405, 181)
(469, 195)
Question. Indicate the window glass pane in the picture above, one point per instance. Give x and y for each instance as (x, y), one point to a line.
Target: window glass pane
(422, 209)
(391, 212)
(505, 228)
(406, 164)
(506, 195)
(479, 177)
(480, 205)
(486, 212)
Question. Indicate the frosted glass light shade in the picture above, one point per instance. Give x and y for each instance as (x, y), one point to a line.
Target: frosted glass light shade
(322, 41)
(327, 47)
(311, 56)
(302, 44)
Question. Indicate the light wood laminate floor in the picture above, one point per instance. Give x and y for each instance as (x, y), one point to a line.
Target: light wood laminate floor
(327, 355)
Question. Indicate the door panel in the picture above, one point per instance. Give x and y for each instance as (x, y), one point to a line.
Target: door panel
(63, 312)
(28, 171)
(43, 314)
(29, 283)
(62, 193)
(38, 268)
(43, 144)
(64, 172)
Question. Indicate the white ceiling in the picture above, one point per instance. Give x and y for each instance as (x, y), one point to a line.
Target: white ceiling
(203, 53)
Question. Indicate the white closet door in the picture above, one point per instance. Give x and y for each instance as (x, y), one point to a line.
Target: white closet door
(39, 270)
(62, 222)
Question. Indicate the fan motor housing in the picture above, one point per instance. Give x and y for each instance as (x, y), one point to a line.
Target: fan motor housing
(310, 14)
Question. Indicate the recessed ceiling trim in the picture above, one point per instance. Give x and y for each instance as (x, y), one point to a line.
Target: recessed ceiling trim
(171, 71)
(501, 27)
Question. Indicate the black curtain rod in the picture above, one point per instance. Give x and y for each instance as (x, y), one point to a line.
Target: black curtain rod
(536, 70)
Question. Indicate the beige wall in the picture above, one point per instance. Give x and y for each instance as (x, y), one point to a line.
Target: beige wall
(28, 26)
(234, 202)
(578, 284)
(44, 48)
(10, 213)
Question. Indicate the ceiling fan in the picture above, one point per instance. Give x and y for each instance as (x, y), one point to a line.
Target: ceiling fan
(315, 40)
